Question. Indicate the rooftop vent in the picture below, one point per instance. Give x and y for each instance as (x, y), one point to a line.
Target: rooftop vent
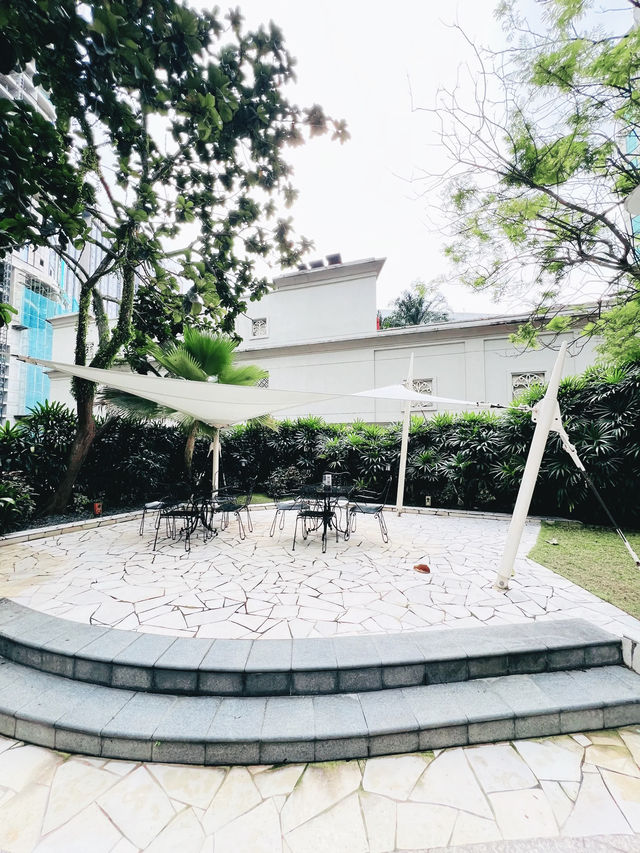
(334, 259)
(315, 265)
(302, 267)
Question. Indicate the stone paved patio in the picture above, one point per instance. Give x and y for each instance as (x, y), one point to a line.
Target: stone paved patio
(578, 786)
(261, 588)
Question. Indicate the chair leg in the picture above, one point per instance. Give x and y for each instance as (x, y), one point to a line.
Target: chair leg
(249, 522)
(383, 527)
(240, 525)
(272, 529)
(155, 541)
(295, 533)
(141, 528)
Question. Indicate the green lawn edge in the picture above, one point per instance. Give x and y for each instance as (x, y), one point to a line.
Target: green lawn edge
(595, 558)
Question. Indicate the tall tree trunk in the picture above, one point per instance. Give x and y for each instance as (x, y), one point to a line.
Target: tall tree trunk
(189, 448)
(81, 446)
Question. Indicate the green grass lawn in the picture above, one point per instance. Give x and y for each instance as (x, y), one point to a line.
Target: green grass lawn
(595, 558)
(259, 498)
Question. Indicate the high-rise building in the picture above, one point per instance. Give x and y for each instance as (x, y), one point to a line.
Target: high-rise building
(40, 285)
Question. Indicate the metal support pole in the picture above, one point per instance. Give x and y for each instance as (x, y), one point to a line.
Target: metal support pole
(546, 411)
(404, 446)
(215, 462)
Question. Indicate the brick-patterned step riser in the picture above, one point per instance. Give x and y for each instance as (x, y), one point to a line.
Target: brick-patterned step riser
(72, 716)
(306, 667)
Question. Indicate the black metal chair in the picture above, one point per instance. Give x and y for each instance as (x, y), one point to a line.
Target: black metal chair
(188, 513)
(319, 512)
(151, 507)
(227, 502)
(368, 502)
(287, 503)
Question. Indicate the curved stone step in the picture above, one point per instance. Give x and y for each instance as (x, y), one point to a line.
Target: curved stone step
(191, 666)
(72, 716)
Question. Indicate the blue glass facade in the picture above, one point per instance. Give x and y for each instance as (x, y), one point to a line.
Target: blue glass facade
(39, 303)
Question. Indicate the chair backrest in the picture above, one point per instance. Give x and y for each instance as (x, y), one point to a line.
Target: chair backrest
(367, 496)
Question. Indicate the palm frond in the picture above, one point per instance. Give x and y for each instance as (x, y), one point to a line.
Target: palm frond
(247, 374)
(181, 363)
(213, 353)
(131, 405)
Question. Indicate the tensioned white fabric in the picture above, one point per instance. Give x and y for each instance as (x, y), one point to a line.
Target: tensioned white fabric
(210, 402)
(222, 405)
(399, 392)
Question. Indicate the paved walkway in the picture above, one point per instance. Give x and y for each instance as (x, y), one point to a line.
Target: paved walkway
(567, 787)
(261, 588)
(566, 792)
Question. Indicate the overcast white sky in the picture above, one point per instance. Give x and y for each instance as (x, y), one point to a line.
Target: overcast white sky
(365, 61)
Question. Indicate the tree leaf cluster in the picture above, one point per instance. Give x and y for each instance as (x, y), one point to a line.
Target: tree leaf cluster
(545, 156)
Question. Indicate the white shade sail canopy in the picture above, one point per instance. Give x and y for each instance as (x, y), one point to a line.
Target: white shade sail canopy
(223, 405)
(210, 402)
(400, 393)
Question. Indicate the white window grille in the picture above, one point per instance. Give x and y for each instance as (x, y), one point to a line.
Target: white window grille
(264, 382)
(259, 328)
(423, 386)
(521, 381)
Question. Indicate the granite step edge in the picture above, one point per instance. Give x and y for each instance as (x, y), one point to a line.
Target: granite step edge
(191, 666)
(51, 711)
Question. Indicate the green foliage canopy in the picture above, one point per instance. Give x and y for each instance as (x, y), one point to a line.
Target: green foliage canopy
(422, 303)
(166, 156)
(169, 132)
(546, 156)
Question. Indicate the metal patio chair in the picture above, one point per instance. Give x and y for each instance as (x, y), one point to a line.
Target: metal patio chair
(368, 502)
(227, 502)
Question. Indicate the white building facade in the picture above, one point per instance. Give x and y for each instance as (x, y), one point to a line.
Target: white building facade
(316, 331)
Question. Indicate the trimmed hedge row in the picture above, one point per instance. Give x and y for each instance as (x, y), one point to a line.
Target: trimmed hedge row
(468, 460)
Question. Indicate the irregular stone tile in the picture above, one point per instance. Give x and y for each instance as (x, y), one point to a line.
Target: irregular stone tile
(195, 786)
(280, 780)
(341, 829)
(7, 743)
(380, 822)
(560, 803)
(393, 776)
(595, 811)
(25, 764)
(120, 768)
(237, 795)
(89, 830)
(184, 833)
(257, 831)
(571, 789)
(499, 767)
(550, 760)
(471, 829)
(523, 814)
(138, 807)
(321, 786)
(124, 846)
(606, 738)
(631, 738)
(422, 825)
(626, 792)
(612, 757)
(449, 781)
(75, 786)
(21, 819)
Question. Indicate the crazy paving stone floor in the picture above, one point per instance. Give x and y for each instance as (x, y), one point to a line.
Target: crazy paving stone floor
(260, 587)
(571, 786)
